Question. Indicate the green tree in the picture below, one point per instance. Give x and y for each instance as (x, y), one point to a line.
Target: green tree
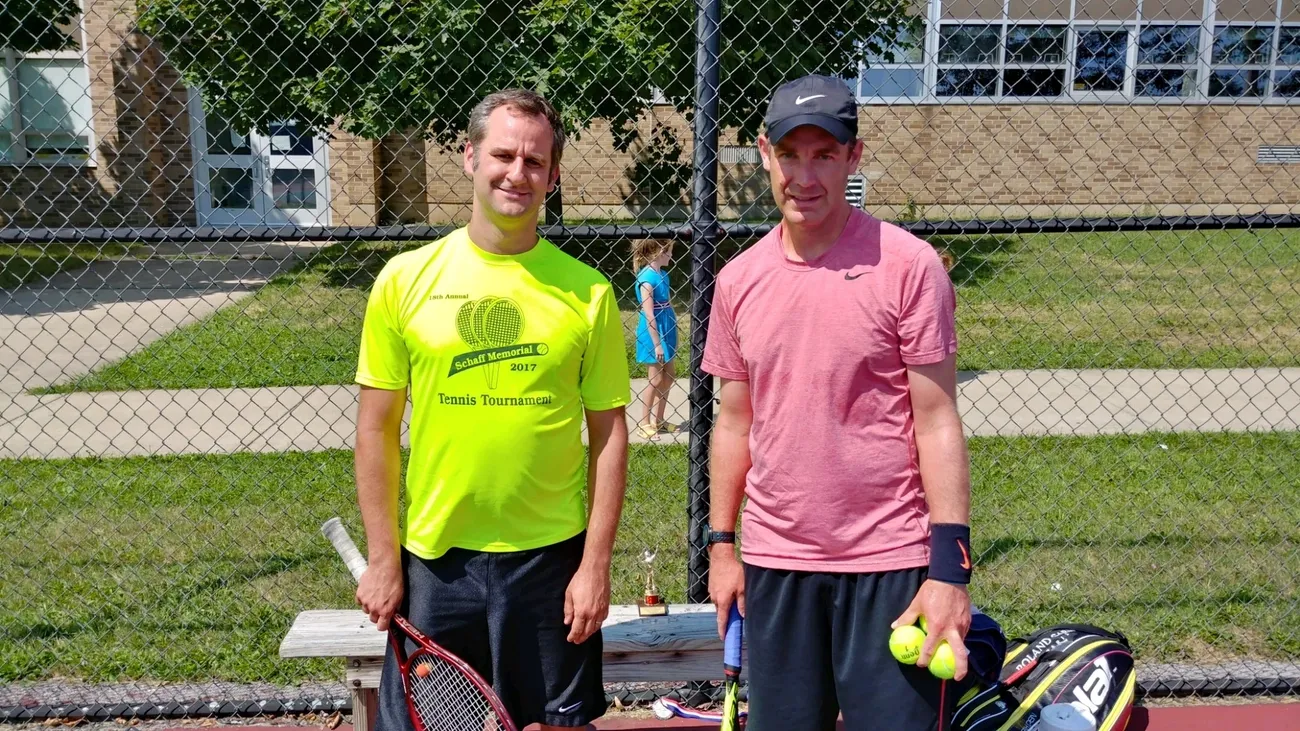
(34, 25)
(374, 67)
(659, 176)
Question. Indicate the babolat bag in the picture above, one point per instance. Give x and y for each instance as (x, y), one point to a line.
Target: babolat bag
(1087, 667)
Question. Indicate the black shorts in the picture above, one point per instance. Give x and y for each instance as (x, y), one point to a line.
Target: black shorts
(818, 645)
(503, 613)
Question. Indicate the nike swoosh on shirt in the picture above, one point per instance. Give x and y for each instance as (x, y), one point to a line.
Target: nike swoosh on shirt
(570, 709)
(852, 277)
(802, 99)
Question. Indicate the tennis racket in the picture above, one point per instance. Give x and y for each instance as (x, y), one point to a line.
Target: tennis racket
(443, 693)
(731, 717)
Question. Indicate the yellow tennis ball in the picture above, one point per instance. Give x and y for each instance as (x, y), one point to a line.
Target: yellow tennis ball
(905, 643)
(925, 626)
(943, 664)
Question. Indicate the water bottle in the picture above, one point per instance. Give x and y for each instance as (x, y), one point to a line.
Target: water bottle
(1063, 717)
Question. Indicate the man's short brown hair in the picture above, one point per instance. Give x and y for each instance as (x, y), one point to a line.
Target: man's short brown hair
(526, 102)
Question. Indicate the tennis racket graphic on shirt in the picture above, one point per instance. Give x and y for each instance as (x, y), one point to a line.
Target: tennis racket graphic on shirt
(443, 693)
(731, 717)
(490, 322)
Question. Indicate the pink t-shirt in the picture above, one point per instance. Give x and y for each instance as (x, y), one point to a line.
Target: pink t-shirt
(835, 483)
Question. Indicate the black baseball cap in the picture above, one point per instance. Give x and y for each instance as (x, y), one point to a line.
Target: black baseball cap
(824, 101)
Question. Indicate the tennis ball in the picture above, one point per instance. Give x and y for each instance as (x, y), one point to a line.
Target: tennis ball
(905, 643)
(925, 626)
(943, 664)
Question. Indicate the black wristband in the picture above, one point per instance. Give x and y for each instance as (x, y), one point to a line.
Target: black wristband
(950, 559)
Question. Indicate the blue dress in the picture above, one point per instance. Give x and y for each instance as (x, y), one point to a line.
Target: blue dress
(665, 320)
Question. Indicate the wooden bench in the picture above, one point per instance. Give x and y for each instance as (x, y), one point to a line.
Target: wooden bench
(681, 646)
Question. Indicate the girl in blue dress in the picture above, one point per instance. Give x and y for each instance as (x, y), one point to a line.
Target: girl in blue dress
(656, 332)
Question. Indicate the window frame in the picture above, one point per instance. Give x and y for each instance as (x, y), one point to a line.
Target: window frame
(1196, 65)
(920, 67)
(1277, 68)
(996, 66)
(1125, 91)
(1063, 66)
(1267, 68)
(1200, 63)
(20, 155)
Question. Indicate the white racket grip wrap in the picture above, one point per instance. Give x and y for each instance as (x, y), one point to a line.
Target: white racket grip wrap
(338, 535)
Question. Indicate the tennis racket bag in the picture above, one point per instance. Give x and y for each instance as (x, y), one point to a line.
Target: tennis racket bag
(1084, 666)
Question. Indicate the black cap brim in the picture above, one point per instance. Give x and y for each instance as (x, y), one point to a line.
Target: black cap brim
(835, 127)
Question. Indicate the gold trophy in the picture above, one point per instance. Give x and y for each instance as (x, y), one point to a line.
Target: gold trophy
(651, 605)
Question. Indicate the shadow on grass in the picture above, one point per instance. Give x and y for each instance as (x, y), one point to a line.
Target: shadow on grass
(108, 618)
(992, 551)
(35, 265)
(975, 258)
(355, 265)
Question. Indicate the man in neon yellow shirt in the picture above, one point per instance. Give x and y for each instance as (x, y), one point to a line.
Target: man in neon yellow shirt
(504, 343)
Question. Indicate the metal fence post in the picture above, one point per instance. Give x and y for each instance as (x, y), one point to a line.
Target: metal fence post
(704, 244)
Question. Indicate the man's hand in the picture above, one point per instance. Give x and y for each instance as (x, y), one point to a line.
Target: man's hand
(586, 602)
(946, 609)
(380, 592)
(726, 583)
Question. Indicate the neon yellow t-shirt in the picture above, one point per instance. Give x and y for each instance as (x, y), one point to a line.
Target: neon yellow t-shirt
(501, 354)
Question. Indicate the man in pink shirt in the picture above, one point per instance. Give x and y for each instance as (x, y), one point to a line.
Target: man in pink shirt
(835, 342)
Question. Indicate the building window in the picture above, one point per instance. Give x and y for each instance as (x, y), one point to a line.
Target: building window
(1024, 60)
(1239, 60)
(894, 68)
(1035, 61)
(7, 112)
(45, 109)
(1101, 51)
(1101, 60)
(1166, 64)
(969, 56)
(1286, 79)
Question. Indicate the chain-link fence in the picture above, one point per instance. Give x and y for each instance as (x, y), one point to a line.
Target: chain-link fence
(195, 198)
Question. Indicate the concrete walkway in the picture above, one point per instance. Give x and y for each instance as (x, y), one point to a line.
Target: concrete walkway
(81, 320)
(89, 317)
(312, 418)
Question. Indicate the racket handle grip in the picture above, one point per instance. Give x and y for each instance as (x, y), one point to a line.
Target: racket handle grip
(734, 640)
(338, 535)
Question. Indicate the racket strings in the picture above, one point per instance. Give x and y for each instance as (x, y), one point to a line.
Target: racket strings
(465, 324)
(502, 323)
(446, 700)
(481, 308)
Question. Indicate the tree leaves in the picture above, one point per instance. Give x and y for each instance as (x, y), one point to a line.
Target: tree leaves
(34, 25)
(377, 67)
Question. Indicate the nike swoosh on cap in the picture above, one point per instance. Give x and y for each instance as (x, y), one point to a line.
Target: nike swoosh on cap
(802, 99)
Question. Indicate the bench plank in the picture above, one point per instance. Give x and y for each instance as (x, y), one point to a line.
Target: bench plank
(649, 667)
(349, 633)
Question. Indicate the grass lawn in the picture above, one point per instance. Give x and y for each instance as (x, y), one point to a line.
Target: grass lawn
(186, 568)
(27, 264)
(1116, 300)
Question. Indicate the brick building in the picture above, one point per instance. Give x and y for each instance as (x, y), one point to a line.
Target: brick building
(1001, 107)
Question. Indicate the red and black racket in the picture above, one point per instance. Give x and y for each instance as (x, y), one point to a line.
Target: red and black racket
(443, 693)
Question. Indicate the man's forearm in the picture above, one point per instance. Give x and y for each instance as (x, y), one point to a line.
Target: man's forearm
(945, 472)
(606, 483)
(378, 464)
(729, 464)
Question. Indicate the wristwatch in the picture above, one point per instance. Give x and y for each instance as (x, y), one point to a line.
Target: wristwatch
(717, 536)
